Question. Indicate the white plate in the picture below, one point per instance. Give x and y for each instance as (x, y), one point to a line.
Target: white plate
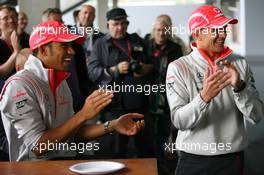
(98, 167)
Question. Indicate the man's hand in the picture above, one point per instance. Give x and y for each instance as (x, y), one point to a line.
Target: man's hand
(214, 83)
(234, 79)
(14, 42)
(123, 67)
(96, 102)
(125, 124)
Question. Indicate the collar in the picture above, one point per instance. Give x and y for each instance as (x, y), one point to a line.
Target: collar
(109, 37)
(212, 63)
(50, 76)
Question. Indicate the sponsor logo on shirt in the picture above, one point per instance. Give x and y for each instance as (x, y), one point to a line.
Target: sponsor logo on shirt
(21, 104)
(200, 76)
(19, 93)
(199, 81)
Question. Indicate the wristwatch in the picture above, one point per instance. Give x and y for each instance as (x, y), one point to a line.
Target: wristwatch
(107, 129)
(241, 87)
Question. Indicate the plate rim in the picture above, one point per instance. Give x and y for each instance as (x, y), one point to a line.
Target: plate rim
(71, 168)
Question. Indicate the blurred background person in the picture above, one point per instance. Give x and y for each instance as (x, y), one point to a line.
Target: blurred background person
(85, 28)
(75, 17)
(9, 45)
(54, 14)
(9, 48)
(86, 19)
(162, 50)
(23, 36)
(21, 58)
(170, 33)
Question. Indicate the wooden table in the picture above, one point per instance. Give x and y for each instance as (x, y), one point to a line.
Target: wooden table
(133, 167)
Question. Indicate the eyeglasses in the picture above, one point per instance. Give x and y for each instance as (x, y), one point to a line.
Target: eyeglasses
(7, 18)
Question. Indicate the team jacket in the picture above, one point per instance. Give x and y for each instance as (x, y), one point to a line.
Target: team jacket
(217, 127)
(32, 101)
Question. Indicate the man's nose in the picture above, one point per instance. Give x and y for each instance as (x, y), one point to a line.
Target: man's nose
(119, 27)
(10, 19)
(70, 50)
(222, 33)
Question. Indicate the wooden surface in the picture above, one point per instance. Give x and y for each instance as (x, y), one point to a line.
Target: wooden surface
(133, 166)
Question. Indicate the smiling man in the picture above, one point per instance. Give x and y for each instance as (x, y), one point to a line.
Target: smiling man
(36, 103)
(211, 92)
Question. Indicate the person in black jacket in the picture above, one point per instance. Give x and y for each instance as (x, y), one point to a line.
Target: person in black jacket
(162, 50)
(90, 33)
(9, 48)
(86, 28)
(23, 36)
(118, 60)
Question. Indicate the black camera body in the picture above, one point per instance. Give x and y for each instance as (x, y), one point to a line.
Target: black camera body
(134, 66)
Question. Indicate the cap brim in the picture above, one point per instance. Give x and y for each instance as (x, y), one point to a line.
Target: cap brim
(61, 39)
(222, 21)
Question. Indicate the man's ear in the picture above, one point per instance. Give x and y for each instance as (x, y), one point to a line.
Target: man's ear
(197, 35)
(43, 50)
(194, 35)
(127, 23)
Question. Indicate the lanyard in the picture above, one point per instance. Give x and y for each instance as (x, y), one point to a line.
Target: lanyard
(128, 52)
(156, 53)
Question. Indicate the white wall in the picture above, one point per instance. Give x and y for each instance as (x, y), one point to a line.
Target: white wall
(142, 17)
(254, 26)
(34, 10)
(252, 14)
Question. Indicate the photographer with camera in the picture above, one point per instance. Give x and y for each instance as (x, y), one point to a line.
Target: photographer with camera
(118, 59)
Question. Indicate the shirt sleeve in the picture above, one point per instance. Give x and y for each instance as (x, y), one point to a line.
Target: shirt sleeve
(185, 113)
(20, 107)
(248, 100)
(96, 71)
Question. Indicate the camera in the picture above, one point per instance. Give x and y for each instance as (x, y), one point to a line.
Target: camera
(134, 66)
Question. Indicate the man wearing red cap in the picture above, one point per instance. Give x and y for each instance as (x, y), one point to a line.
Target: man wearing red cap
(36, 103)
(211, 92)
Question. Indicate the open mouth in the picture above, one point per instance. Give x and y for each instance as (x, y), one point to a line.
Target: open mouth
(220, 43)
(67, 60)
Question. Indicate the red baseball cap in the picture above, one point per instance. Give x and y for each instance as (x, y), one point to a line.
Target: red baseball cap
(208, 16)
(50, 31)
